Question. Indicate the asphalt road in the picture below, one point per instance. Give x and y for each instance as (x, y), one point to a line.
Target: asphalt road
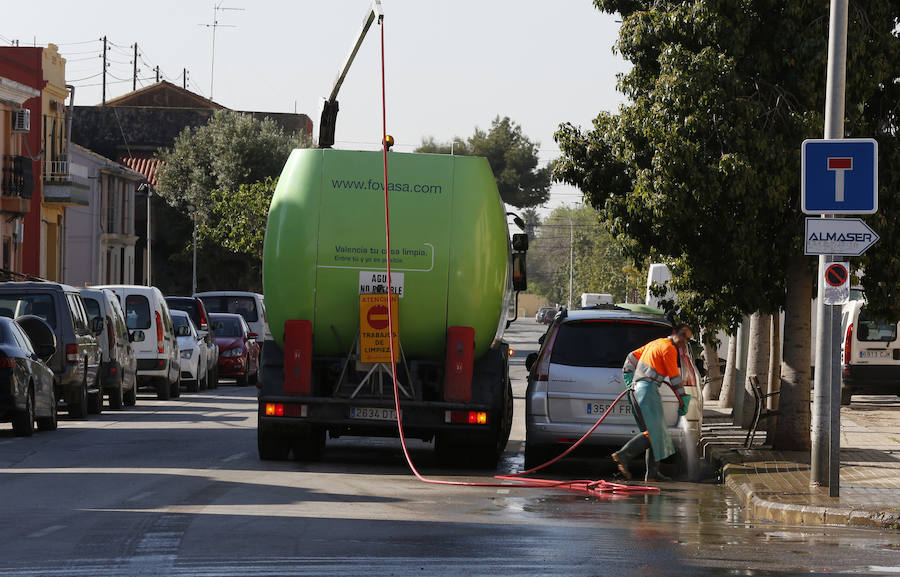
(175, 488)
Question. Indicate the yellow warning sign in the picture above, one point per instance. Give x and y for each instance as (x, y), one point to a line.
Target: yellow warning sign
(374, 346)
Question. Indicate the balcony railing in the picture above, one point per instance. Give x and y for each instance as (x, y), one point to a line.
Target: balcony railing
(18, 179)
(56, 170)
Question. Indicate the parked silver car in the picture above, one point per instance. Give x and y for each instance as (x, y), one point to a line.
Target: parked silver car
(578, 373)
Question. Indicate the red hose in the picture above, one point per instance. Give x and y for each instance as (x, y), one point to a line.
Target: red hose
(593, 487)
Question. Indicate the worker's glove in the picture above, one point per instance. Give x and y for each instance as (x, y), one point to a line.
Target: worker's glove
(685, 403)
(627, 377)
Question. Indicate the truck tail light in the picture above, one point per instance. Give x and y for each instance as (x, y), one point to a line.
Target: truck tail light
(466, 417)
(297, 357)
(71, 353)
(285, 410)
(542, 367)
(458, 364)
(159, 334)
(848, 344)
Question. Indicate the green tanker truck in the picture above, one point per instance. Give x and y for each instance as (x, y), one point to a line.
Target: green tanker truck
(454, 272)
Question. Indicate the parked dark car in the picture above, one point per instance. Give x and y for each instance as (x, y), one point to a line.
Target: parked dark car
(238, 349)
(118, 364)
(26, 382)
(76, 362)
(195, 309)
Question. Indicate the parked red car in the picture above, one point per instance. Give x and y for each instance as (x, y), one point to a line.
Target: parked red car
(238, 348)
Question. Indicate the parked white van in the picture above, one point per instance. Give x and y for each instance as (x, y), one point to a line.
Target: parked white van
(249, 305)
(870, 356)
(158, 362)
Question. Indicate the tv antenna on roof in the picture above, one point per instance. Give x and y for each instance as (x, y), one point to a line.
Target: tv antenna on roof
(215, 25)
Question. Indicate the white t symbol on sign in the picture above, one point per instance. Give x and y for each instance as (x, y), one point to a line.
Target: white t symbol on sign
(839, 165)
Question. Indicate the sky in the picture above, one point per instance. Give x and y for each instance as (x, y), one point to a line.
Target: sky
(450, 66)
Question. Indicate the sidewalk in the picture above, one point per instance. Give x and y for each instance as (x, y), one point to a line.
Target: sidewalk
(775, 485)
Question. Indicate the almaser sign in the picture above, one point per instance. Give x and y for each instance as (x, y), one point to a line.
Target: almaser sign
(839, 236)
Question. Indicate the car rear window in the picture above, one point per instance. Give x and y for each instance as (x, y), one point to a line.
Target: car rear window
(92, 307)
(40, 305)
(225, 327)
(179, 321)
(137, 312)
(600, 343)
(874, 330)
(238, 305)
(187, 305)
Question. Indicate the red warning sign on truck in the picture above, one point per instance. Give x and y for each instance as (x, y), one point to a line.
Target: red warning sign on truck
(374, 346)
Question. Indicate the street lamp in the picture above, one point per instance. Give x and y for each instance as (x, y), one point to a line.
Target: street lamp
(194, 274)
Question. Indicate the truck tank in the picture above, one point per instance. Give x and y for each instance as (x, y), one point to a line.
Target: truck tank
(325, 237)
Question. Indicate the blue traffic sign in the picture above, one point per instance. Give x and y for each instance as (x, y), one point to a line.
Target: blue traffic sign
(839, 176)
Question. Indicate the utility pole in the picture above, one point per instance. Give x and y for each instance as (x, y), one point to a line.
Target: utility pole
(103, 101)
(184, 77)
(134, 74)
(157, 73)
(825, 459)
(215, 25)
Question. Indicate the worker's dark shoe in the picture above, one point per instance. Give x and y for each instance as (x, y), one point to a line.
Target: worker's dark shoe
(634, 447)
(623, 468)
(653, 473)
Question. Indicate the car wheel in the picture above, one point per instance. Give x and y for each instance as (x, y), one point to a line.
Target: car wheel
(163, 389)
(129, 397)
(192, 386)
(95, 402)
(204, 384)
(241, 380)
(845, 396)
(50, 423)
(116, 397)
(176, 387)
(77, 405)
(23, 421)
(215, 380)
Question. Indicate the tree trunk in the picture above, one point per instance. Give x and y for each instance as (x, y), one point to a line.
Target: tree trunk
(757, 363)
(726, 395)
(792, 432)
(774, 374)
(713, 372)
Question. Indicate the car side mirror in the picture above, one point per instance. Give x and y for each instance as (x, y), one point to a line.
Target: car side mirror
(541, 338)
(136, 336)
(530, 360)
(46, 352)
(519, 276)
(97, 325)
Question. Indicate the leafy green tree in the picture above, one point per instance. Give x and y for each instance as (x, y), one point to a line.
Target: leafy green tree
(230, 150)
(512, 156)
(218, 173)
(238, 220)
(701, 167)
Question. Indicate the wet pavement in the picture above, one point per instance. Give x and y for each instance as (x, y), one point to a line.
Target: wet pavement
(175, 488)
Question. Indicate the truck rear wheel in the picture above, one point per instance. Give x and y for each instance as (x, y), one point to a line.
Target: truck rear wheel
(309, 444)
(163, 390)
(272, 446)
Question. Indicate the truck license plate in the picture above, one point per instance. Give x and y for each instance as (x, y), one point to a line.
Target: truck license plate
(373, 413)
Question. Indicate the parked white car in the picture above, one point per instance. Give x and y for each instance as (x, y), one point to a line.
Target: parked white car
(193, 350)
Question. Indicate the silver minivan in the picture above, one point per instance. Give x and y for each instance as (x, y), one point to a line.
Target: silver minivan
(577, 374)
(118, 364)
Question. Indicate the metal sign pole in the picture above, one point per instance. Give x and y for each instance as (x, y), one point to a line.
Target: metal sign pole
(828, 370)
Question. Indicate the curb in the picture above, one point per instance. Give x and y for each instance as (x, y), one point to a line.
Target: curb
(760, 508)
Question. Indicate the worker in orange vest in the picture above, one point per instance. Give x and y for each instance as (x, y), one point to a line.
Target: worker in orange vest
(644, 372)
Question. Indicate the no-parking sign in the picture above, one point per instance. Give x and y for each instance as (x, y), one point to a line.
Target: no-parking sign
(837, 283)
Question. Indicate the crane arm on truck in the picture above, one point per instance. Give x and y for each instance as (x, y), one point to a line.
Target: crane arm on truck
(328, 118)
